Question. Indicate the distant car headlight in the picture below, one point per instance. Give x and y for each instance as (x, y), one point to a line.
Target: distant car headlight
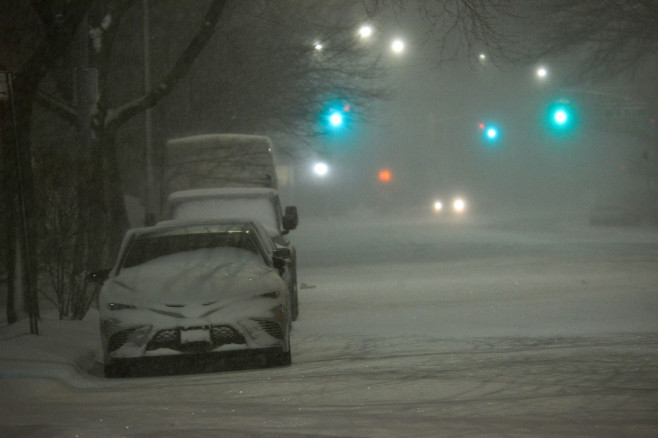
(458, 205)
(438, 206)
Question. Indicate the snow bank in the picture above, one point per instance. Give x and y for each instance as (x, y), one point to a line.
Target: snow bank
(63, 350)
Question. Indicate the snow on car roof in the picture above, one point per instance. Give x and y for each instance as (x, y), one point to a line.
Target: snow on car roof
(214, 138)
(229, 191)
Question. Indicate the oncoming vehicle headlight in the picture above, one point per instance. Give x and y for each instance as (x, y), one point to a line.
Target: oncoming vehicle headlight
(438, 206)
(458, 205)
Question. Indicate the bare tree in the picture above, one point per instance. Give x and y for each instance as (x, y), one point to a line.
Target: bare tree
(101, 191)
(609, 38)
(456, 28)
(55, 26)
(263, 74)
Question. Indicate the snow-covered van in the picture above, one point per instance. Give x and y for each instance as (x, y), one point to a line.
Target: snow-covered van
(219, 160)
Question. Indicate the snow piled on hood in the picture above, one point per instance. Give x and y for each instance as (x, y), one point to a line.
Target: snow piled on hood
(196, 276)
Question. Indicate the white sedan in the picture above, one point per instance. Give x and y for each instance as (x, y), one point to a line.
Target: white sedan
(196, 288)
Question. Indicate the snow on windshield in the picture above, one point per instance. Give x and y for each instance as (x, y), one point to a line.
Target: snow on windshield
(227, 208)
(146, 249)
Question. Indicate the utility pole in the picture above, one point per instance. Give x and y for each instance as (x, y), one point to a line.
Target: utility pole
(151, 198)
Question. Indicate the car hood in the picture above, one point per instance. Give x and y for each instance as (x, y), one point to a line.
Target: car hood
(192, 278)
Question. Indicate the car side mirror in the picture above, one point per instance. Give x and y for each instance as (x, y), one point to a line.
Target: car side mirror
(99, 276)
(290, 219)
(281, 253)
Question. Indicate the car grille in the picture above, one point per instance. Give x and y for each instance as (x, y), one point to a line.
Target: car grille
(165, 339)
(272, 328)
(223, 334)
(118, 339)
(219, 335)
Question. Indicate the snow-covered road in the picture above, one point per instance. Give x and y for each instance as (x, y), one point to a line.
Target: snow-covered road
(407, 328)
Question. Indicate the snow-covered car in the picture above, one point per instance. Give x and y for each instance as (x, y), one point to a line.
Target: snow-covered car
(196, 288)
(260, 203)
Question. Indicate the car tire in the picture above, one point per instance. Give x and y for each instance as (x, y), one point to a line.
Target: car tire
(294, 291)
(286, 358)
(283, 357)
(115, 370)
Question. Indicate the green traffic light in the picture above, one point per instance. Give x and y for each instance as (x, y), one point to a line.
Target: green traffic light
(336, 119)
(561, 117)
(490, 133)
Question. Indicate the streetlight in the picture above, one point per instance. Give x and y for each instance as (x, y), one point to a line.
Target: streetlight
(397, 46)
(321, 169)
(318, 46)
(365, 31)
(542, 72)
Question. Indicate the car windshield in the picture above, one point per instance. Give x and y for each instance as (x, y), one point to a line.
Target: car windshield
(151, 247)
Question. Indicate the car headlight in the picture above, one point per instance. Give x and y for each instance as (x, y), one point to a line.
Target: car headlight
(458, 205)
(438, 206)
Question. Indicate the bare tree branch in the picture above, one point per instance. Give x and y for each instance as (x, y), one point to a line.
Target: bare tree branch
(120, 115)
(612, 37)
(57, 105)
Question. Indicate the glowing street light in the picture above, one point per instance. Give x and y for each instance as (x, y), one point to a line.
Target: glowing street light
(321, 169)
(397, 46)
(365, 31)
(318, 46)
(542, 72)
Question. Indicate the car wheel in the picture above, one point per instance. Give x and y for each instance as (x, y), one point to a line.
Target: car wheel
(294, 300)
(286, 358)
(283, 357)
(116, 370)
